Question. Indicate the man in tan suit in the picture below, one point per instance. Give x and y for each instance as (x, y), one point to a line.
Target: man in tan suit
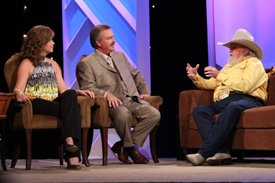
(108, 73)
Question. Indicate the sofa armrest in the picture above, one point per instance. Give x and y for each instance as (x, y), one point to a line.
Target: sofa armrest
(155, 101)
(188, 100)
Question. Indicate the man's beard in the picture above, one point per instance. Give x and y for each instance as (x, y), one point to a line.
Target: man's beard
(234, 60)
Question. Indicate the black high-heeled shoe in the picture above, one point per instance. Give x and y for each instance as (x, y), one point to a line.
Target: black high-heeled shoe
(70, 148)
(73, 167)
(71, 151)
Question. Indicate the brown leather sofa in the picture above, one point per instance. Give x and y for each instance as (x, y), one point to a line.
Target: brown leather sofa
(254, 131)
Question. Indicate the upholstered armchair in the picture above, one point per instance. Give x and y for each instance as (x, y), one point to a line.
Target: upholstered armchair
(254, 131)
(24, 120)
(5, 99)
(102, 121)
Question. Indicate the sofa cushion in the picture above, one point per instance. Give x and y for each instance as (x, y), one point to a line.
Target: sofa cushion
(259, 117)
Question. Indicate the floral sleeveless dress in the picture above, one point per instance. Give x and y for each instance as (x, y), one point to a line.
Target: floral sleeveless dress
(42, 83)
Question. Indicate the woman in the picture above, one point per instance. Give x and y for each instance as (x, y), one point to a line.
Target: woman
(40, 80)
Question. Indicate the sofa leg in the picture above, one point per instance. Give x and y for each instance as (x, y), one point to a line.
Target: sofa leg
(240, 155)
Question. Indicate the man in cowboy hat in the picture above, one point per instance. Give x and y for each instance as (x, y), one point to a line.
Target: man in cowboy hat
(239, 85)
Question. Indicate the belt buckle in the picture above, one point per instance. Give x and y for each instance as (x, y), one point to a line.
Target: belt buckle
(134, 98)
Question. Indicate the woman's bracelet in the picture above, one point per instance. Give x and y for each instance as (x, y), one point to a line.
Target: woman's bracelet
(16, 91)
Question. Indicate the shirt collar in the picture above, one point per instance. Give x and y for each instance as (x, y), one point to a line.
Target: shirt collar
(102, 54)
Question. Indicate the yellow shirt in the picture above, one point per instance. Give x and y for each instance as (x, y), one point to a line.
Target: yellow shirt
(248, 76)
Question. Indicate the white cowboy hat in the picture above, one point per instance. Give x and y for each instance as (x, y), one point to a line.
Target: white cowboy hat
(244, 38)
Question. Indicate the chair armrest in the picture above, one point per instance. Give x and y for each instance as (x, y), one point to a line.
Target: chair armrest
(23, 114)
(5, 99)
(85, 104)
(100, 113)
(155, 101)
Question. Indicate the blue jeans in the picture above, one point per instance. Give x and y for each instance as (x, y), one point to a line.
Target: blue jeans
(216, 134)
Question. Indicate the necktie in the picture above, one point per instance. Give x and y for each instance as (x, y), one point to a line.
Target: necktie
(110, 62)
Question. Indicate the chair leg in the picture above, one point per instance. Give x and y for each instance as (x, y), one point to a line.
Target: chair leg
(60, 154)
(17, 138)
(3, 161)
(15, 154)
(3, 158)
(29, 148)
(84, 147)
(153, 144)
(3, 146)
(90, 140)
(104, 139)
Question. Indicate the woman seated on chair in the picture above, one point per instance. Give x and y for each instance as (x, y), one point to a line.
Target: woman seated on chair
(40, 80)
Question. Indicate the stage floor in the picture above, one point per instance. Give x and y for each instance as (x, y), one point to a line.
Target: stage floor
(167, 170)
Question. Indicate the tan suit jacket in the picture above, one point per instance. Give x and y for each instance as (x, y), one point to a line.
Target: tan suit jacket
(93, 73)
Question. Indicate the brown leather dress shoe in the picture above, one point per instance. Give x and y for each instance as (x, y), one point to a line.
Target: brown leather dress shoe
(121, 154)
(137, 157)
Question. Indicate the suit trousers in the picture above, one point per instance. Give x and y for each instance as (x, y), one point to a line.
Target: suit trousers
(216, 134)
(147, 116)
